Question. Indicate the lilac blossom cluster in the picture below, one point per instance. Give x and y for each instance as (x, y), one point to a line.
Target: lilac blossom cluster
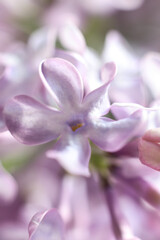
(79, 121)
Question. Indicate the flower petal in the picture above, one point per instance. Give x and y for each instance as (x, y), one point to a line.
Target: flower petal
(77, 60)
(108, 72)
(30, 122)
(73, 153)
(47, 225)
(63, 81)
(123, 110)
(117, 49)
(72, 38)
(128, 85)
(97, 101)
(149, 149)
(113, 135)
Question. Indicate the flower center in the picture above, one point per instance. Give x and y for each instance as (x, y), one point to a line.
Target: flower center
(76, 126)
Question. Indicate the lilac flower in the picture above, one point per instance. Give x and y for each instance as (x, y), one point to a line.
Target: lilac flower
(16, 68)
(76, 119)
(64, 23)
(128, 85)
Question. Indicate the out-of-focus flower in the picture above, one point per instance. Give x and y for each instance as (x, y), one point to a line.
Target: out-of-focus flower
(77, 119)
(137, 76)
(109, 202)
(64, 24)
(17, 68)
(128, 85)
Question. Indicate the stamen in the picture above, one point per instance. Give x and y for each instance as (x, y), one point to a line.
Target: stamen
(75, 127)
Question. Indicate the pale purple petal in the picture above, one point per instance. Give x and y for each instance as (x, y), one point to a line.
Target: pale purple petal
(77, 60)
(151, 116)
(123, 110)
(113, 135)
(97, 101)
(117, 49)
(47, 225)
(108, 72)
(72, 38)
(94, 64)
(73, 153)
(63, 81)
(30, 122)
(149, 149)
(128, 85)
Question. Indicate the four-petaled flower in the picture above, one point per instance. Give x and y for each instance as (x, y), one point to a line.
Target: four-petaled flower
(77, 117)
